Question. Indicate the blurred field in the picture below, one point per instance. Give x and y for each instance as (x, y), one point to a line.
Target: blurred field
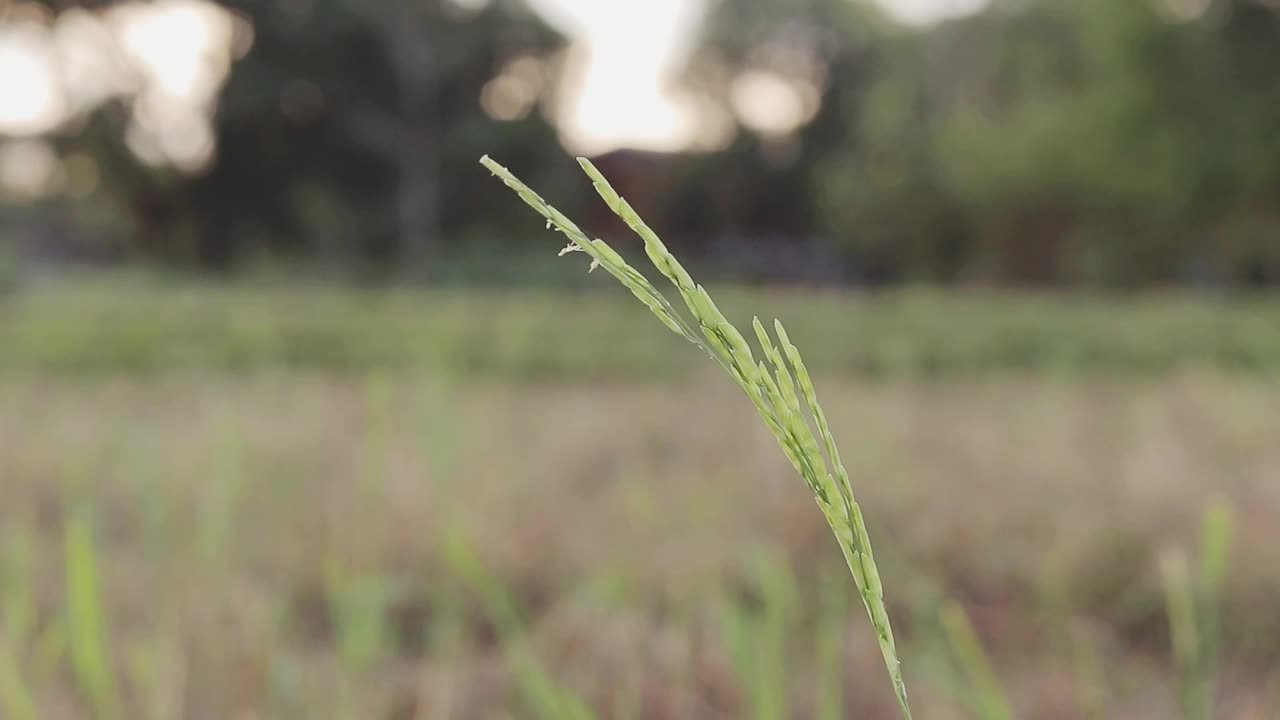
(298, 542)
(135, 326)
(303, 417)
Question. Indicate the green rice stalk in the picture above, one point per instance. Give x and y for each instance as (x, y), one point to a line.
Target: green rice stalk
(157, 669)
(782, 395)
(1184, 633)
(358, 600)
(829, 644)
(18, 617)
(990, 700)
(1194, 606)
(547, 698)
(757, 633)
(18, 611)
(1215, 547)
(88, 634)
(1091, 670)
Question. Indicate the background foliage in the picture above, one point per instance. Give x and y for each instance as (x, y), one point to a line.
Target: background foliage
(1035, 142)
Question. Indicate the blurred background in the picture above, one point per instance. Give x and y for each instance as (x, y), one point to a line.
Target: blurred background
(301, 416)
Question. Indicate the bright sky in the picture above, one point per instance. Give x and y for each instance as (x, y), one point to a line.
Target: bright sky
(632, 49)
(622, 64)
(626, 53)
(172, 57)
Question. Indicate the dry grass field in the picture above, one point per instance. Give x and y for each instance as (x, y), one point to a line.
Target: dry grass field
(360, 545)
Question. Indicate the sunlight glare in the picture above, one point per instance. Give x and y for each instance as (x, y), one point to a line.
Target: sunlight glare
(620, 73)
(30, 100)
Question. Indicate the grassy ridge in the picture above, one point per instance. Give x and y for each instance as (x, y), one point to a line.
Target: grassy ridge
(112, 327)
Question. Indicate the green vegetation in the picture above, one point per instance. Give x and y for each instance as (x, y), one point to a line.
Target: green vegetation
(640, 547)
(85, 622)
(1193, 606)
(142, 327)
(485, 485)
(988, 701)
(776, 394)
(478, 545)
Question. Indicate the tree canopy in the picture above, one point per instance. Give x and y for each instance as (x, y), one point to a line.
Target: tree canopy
(1034, 142)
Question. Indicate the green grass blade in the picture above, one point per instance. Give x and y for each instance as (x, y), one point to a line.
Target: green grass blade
(1215, 549)
(991, 700)
(544, 695)
(829, 641)
(85, 622)
(1184, 633)
(1091, 671)
(18, 618)
(1194, 608)
(777, 595)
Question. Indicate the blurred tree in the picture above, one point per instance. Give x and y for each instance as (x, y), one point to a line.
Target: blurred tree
(1037, 141)
(1045, 141)
(791, 75)
(339, 126)
(335, 131)
(1109, 141)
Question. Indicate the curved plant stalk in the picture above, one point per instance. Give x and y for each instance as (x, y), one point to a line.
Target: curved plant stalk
(989, 700)
(1193, 604)
(782, 391)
